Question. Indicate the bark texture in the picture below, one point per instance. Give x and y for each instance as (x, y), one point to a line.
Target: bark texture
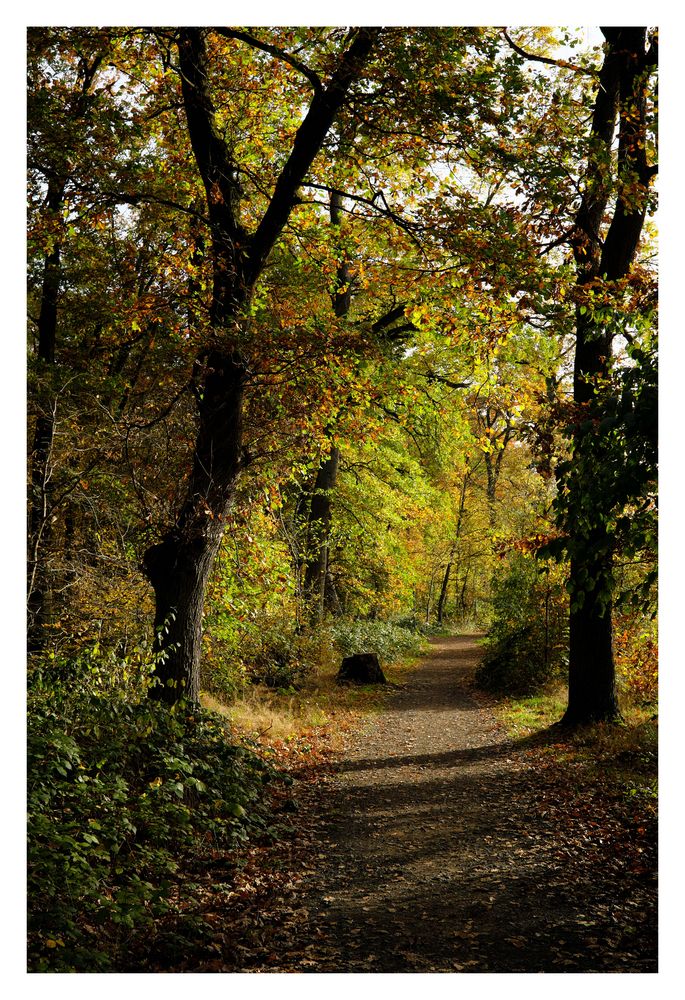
(621, 96)
(179, 566)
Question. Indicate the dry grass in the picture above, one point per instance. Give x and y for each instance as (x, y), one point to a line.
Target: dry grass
(262, 713)
(321, 705)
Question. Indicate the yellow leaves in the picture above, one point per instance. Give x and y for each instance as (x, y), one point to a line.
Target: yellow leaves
(419, 315)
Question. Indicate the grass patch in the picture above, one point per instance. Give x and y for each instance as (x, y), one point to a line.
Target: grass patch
(267, 715)
(619, 759)
(525, 716)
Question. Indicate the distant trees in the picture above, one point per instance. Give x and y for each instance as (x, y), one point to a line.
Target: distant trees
(68, 107)
(322, 287)
(84, 145)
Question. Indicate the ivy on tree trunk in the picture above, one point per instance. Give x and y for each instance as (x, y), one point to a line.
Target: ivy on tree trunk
(602, 259)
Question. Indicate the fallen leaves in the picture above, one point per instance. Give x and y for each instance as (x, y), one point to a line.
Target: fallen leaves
(495, 858)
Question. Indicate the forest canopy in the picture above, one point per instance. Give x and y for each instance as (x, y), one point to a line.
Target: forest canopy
(337, 336)
(293, 290)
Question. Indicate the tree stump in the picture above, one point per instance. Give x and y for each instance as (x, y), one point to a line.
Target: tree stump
(361, 668)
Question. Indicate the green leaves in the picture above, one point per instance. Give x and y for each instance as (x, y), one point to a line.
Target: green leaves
(118, 792)
(527, 642)
(607, 496)
(390, 642)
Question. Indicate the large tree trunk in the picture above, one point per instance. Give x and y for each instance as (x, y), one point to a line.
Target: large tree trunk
(179, 572)
(621, 93)
(179, 566)
(592, 685)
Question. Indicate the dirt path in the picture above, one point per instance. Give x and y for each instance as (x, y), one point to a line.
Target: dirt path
(438, 845)
(434, 857)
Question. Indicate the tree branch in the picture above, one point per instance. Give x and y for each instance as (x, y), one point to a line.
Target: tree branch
(276, 52)
(561, 63)
(212, 155)
(308, 140)
(434, 377)
(388, 319)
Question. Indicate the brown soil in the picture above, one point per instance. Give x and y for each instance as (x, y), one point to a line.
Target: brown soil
(433, 851)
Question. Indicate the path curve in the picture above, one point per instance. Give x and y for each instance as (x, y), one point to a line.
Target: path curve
(433, 856)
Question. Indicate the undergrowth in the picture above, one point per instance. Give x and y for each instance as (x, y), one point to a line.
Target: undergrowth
(268, 714)
(391, 642)
(527, 642)
(121, 791)
(618, 759)
(125, 794)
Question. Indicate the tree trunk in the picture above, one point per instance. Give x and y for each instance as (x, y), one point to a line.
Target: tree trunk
(443, 593)
(456, 550)
(622, 93)
(179, 571)
(179, 566)
(592, 685)
(493, 461)
(429, 599)
(40, 596)
(491, 491)
(317, 576)
(319, 527)
(462, 596)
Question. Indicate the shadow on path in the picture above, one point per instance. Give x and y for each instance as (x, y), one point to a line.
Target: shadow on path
(436, 857)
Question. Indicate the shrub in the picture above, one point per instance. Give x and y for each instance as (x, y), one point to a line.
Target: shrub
(120, 791)
(280, 661)
(527, 643)
(412, 623)
(636, 652)
(271, 652)
(389, 642)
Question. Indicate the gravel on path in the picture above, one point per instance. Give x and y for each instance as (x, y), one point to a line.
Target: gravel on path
(435, 858)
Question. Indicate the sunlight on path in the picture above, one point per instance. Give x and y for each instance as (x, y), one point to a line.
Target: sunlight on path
(435, 859)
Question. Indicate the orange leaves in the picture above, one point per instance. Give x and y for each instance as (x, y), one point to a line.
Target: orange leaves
(528, 545)
(215, 196)
(637, 656)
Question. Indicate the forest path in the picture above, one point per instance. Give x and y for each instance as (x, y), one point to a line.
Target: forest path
(434, 857)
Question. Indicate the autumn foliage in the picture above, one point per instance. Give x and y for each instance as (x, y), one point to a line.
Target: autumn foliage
(336, 338)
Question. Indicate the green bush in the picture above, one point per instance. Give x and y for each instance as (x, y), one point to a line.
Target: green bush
(120, 792)
(412, 623)
(527, 644)
(389, 642)
(279, 661)
(271, 652)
